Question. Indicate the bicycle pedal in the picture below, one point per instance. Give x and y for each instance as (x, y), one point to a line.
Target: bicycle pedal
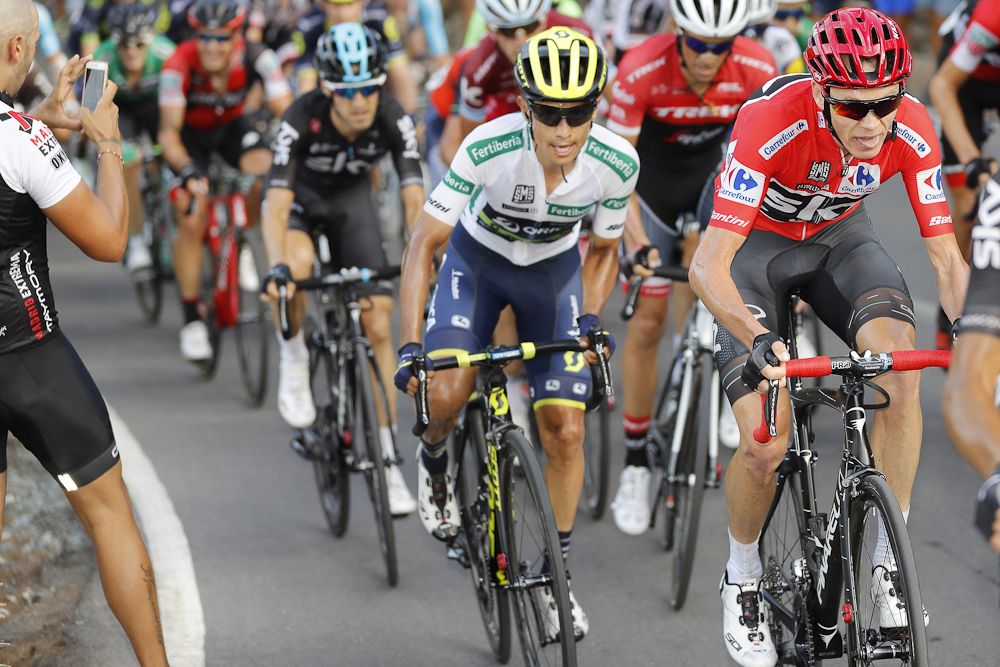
(458, 550)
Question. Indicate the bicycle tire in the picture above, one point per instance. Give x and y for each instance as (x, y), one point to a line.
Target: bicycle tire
(473, 503)
(527, 512)
(665, 422)
(148, 284)
(209, 366)
(597, 461)
(690, 491)
(874, 499)
(333, 478)
(253, 331)
(374, 471)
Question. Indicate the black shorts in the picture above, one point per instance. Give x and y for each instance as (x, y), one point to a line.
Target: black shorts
(348, 221)
(50, 403)
(230, 141)
(135, 121)
(975, 97)
(843, 273)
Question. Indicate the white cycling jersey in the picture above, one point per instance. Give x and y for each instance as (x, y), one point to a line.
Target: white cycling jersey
(496, 187)
(785, 48)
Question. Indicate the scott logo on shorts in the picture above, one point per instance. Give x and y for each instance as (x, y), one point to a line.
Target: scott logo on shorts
(742, 184)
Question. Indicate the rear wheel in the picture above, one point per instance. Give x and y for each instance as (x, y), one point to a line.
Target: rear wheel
(664, 423)
(478, 531)
(333, 476)
(253, 330)
(535, 568)
(597, 464)
(374, 468)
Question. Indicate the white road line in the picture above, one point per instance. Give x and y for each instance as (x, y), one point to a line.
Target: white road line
(176, 585)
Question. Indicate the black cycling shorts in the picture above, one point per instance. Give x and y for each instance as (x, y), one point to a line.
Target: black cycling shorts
(50, 403)
(230, 141)
(843, 273)
(133, 122)
(348, 220)
(975, 97)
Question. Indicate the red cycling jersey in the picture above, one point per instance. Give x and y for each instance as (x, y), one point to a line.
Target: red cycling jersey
(784, 172)
(443, 86)
(977, 47)
(184, 83)
(488, 88)
(652, 99)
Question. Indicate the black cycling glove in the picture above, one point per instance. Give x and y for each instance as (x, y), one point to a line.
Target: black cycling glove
(975, 168)
(189, 173)
(279, 274)
(761, 355)
(638, 258)
(987, 504)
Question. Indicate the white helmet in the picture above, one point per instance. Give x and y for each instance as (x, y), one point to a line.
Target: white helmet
(761, 11)
(710, 18)
(512, 13)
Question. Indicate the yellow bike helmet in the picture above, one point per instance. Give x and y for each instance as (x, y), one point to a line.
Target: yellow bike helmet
(561, 65)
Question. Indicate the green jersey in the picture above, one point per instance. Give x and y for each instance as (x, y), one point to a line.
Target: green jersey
(144, 93)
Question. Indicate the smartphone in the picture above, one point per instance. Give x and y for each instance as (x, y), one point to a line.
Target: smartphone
(95, 79)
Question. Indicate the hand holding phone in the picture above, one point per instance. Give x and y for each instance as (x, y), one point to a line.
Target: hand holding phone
(95, 80)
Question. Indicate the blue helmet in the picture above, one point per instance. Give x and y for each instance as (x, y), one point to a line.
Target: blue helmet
(350, 53)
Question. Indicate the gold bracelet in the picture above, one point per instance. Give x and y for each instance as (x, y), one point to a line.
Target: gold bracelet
(107, 152)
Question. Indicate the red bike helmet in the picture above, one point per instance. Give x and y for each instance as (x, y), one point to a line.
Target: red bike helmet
(843, 38)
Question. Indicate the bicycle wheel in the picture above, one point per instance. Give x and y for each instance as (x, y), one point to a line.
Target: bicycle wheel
(374, 468)
(867, 641)
(148, 283)
(689, 489)
(533, 559)
(597, 460)
(211, 365)
(664, 423)
(253, 331)
(473, 492)
(333, 477)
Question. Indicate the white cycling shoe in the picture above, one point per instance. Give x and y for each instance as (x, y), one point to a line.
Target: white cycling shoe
(729, 431)
(630, 507)
(401, 501)
(436, 503)
(295, 401)
(195, 345)
(581, 624)
(247, 275)
(892, 612)
(744, 624)
(137, 258)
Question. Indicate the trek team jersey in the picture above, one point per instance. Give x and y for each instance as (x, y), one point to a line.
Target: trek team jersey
(309, 151)
(35, 174)
(184, 83)
(651, 98)
(785, 173)
(496, 187)
(977, 41)
(488, 88)
(444, 85)
(982, 301)
(145, 92)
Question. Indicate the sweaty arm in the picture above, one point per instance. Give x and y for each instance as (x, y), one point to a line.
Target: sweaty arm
(944, 94)
(950, 271)
(428, 236)
(969, 400)
(711, 279)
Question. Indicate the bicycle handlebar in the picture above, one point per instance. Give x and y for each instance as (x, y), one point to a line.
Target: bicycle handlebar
(849, 366)
(501, 355)
(635, 283)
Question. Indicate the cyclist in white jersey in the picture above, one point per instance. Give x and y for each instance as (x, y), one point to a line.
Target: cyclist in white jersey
(509, 210)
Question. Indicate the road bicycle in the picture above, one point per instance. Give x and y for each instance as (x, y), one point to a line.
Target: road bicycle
(684, 436)
(349, 396)
(819, 567)
(232, 278)
(157, 233)
(508, 537)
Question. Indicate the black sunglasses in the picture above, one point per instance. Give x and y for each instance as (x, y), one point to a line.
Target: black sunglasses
(511, 33)
(215, 37)
(856, 110)
(552, 116)
(700, 47)
(785, 14)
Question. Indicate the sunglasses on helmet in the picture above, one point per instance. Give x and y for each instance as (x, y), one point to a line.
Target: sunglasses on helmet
(552, 116)
(856, 110)
(511, 33)
(700, 47)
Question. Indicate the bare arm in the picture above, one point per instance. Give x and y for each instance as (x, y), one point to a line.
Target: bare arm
(451, 138)
(429, 235)
(635, 234)
(402, 85)
(280, 104)
(599, 273)
(712, 281)
(274, 227)
(950, 271)
(169, 137)
(970, 413)
(465, 126)
(944, 94)
(413, 201)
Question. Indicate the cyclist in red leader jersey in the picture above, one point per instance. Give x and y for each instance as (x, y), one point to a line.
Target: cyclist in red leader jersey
(203, 87)
(789, 217)
(674, 98)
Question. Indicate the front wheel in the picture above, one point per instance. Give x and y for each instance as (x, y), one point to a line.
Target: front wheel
(253, 327)
(535, 572)
(333, 476)
(597, 455)
(868, 640)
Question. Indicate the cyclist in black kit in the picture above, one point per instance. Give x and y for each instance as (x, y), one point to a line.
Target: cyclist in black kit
(970, 399)
(47, 398)
(329, 141)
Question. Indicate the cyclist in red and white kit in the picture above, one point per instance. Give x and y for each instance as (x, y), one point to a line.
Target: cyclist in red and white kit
(674, 98)
(203, 89)
(788, 216)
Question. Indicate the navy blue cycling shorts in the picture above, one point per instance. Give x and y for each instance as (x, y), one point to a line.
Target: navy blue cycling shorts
(475, 284)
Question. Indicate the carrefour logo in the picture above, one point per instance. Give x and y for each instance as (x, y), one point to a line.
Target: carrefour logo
(778, 141)
(915, 141)
(861, 179)
(742, 184)
(930, 186)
